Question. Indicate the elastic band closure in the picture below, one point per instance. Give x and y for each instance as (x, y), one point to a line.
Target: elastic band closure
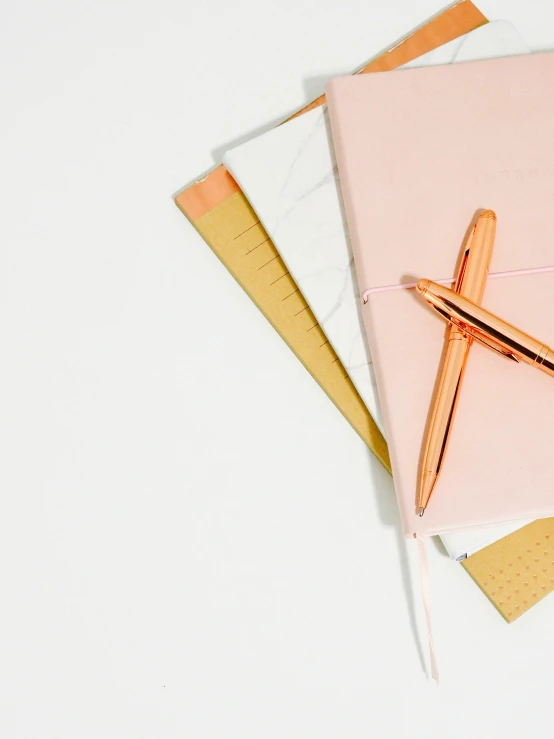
(450, 280)
(426, 596)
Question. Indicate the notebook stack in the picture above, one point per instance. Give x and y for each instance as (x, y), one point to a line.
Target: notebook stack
(330, 219)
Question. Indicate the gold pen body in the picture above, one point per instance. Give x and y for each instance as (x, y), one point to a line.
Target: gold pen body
(487, 328)
(470, 282)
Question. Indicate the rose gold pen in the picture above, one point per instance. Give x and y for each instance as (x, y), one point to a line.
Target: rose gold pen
(470, 282)
(487, 328)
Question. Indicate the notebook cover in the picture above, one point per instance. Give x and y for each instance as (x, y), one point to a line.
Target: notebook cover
(219, 211)
(478, 135)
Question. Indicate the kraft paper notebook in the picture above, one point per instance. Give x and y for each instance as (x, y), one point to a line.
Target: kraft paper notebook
(478, 135)
(289, 176)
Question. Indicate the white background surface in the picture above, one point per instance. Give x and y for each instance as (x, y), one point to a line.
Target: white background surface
(189, 546)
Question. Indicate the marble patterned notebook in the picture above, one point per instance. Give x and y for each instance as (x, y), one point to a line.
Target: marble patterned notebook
(289, 176)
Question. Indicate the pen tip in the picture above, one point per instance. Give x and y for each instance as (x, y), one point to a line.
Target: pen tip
(489, 214)
(420, 512)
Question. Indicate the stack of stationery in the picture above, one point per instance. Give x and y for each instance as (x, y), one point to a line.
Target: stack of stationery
(413, 188)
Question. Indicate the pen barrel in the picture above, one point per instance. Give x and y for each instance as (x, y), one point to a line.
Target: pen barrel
(484, 325)
(511, 339)
(470, 282)
(442, 413)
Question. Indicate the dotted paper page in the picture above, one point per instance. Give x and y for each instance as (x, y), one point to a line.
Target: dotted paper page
(517, 571)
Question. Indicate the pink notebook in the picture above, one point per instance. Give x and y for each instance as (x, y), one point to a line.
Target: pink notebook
(419, 152)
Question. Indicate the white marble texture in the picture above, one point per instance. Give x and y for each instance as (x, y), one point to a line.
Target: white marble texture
(289, 175)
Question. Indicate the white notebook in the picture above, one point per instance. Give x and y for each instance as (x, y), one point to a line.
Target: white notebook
(289, 176)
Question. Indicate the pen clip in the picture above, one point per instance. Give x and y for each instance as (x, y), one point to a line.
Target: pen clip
(488, 342)
(461, 272)
(465, 257)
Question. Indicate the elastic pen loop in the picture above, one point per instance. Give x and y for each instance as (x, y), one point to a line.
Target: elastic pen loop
(450, 280)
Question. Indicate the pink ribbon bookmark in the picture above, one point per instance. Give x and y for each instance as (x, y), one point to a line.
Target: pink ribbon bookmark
(426, 595)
